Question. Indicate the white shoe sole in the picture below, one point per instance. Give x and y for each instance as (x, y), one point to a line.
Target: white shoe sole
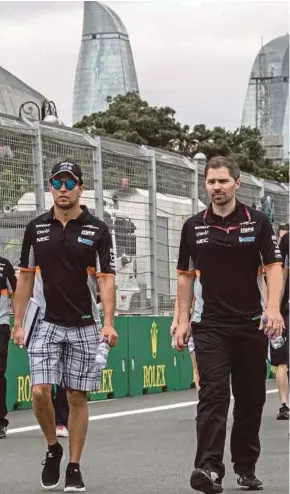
(52, 487)
(74, 489)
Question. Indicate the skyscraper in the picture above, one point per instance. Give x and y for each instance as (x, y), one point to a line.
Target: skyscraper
(105, 65)
(267, 101)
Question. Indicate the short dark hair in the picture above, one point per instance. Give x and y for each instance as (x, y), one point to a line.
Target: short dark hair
(223, 161)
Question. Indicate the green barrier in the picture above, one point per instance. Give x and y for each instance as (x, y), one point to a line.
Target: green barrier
(143, 362)
(18, 379)
(185, 370)
(152, 362)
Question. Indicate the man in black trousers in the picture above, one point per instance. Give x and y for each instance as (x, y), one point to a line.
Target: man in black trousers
(7, 286)
(223, 250)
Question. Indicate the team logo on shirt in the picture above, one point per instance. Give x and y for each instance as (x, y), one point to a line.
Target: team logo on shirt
(247, 230)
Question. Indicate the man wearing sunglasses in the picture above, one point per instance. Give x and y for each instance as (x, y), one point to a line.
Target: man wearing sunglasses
(66, 252)
(223, 251)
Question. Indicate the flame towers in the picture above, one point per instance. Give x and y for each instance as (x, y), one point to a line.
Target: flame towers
(105, 65)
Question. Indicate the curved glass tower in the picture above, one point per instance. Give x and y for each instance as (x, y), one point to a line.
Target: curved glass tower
(105, 65)
(267, 101)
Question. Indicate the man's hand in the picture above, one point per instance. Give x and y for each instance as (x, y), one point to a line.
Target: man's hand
(173, 327)
(272, 323)
(17, 335)
(182, 335)
(111, 334)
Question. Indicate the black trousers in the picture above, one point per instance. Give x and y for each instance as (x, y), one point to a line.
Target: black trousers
(4, 342)
(240, 354)
(60, 404)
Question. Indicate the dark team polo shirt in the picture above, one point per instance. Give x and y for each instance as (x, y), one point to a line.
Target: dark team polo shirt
(7, 286)
(284, 247)
(67, 261)
(227, 255)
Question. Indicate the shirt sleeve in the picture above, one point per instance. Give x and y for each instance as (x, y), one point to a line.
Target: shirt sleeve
(284, 248)
(11, 280)
(105, 264)
(27, 257)
(269, 248)
(185, 263)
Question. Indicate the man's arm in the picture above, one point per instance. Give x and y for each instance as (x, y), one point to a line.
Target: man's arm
(185, 279)
(185, 295)
(106, 280)
(274, 276)
(272, 322)
(108, 298)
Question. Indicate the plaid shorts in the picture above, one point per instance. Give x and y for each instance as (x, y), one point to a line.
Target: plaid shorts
(65, 356)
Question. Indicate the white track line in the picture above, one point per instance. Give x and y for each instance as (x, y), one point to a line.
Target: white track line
(126, 413)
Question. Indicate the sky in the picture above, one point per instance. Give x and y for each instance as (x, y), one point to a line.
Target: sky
(192, 55)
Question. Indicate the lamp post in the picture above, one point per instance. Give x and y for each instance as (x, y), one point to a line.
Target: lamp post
(46, 112)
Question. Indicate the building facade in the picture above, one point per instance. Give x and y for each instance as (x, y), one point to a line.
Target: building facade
(14, 92)
(105, 65)
(267, 100)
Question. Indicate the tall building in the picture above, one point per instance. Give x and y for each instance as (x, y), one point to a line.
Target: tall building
(267, 101)
(14, 92)
(105, 65)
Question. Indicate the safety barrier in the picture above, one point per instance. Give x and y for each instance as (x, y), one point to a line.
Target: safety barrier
(143, 362)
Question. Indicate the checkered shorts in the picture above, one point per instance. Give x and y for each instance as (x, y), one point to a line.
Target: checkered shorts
(65, 356)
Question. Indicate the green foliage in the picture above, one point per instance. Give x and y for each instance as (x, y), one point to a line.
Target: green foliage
(129, 118)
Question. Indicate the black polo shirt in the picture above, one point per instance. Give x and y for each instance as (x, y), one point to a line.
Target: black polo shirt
(226, 255)
(67, 262)
(284, 247)
(7, 286)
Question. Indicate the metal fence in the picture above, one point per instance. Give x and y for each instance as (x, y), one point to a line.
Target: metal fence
(144, 195)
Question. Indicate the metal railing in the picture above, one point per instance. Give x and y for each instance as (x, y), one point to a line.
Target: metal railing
(143, 194)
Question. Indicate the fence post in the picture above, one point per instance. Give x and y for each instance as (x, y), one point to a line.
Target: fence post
(152, 190)
(38, 170)
(194, 187)
(98, 174)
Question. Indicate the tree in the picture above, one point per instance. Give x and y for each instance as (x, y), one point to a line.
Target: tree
(131, 119)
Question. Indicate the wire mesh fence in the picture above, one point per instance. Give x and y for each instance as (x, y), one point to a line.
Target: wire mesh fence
(144, 195)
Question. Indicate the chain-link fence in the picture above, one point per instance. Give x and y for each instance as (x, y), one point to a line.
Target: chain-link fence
(144, 195)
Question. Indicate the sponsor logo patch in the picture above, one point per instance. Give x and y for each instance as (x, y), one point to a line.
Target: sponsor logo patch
(247, 240)
(85, 241)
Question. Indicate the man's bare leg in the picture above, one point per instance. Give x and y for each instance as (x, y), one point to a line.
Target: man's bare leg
(44, 411)
(282, 383)
(77, 423)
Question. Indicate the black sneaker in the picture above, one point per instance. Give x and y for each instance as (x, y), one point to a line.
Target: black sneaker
(73, 479)
(283, 413)
(50, 477)
(3, 431)
(206, 481)
(249, 482)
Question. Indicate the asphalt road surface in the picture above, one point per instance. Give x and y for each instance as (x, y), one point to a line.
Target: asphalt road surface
(142, 445)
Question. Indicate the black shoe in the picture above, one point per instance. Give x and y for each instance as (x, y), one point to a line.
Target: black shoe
(283, 413)
(73, 479)
(3, 431)
(249, 482)
(205, 481)
(50, 477)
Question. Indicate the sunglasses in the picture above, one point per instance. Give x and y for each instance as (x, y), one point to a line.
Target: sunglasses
(69, 184)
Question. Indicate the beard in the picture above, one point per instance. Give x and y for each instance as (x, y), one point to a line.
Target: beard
(221, 200)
